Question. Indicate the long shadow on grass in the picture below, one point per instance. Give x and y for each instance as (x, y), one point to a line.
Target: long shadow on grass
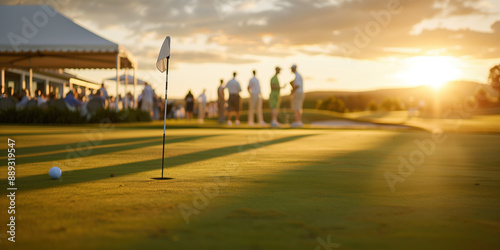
(340, 198)
(78, 151)
(326, 192)
(83, 142)
(13, 135)
(94, 174)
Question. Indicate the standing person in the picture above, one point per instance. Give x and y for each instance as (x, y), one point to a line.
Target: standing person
(234, 90)
(189, 105)
(221, 101)
(127, 103)
(98, 96)
(275, 98)
(156, 108)
(298, 97)
(147, 99)
(104, 93)
(255, 101)
(202, 103)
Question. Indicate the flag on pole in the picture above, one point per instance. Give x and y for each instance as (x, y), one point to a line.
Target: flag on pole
(161, 63)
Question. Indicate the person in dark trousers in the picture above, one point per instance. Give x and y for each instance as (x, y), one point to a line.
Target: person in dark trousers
(221, 101)
(189, 105)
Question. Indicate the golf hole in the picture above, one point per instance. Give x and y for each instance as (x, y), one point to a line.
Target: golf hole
(162, 178)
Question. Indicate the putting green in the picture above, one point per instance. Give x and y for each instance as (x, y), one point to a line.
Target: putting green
(251, 189)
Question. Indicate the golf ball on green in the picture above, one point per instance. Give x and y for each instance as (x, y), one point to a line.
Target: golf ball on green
(55, 173)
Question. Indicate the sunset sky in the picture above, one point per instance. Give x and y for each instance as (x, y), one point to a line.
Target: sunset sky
(336, 44)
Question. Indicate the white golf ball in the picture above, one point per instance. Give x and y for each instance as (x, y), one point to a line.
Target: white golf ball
(55, 173)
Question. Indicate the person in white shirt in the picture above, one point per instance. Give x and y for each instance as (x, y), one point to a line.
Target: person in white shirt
(202, 103)
(147, 98)
(255, 101)
(298, 97)
(234, 90)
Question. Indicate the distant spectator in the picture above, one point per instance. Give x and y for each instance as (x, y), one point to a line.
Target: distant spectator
(71, 100)
(111, 103)
(234, 89)
(41, 99)
(23, 98)
(160, 105)
(104, 92)
(38, 93)
(91, 94)
(189, 105)
(98, 96)
(79, 95)
(128, 100)
(120, 100)
(139, 101)
(156, 108)
(7, 93)
(52, 96)
(221, 102)
(202, 103)
(147, 98)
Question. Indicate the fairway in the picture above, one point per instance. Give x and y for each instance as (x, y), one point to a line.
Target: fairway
(251, 188)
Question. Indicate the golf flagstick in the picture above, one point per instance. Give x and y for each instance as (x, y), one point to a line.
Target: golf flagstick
(162, 66)
(164, 121)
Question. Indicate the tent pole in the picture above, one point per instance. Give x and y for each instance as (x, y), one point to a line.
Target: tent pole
(23, 83)
(135, 84)
(31, 83)
(46, 87)
(4, 88)
(126, 80)
(117, 79)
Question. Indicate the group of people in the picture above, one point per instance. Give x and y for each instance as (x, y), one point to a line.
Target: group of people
(150, 102)
(75, 100)
(23, 97)
(255, 102)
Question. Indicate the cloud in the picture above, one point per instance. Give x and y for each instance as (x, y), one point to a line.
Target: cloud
(206, 57)
(286, 27)
(462, 7)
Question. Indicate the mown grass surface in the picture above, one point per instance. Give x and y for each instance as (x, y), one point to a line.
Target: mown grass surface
(250, 189)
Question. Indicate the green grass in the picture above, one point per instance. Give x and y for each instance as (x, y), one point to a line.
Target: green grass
(249, 189)
(450, 121)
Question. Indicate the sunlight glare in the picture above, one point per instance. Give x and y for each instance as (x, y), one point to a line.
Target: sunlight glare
(433, 71)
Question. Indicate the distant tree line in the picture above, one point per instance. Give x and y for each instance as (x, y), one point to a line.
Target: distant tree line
(351, 103)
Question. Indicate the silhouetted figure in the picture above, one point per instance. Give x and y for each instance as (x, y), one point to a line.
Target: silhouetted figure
(202, 103)
(234, 90)
(221, 102)
(275, 98)
(189, 105)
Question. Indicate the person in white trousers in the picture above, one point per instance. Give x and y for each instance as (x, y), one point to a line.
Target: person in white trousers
(255, 102)
(202, 103)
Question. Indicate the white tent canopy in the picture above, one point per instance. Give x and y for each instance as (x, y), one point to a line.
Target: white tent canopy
(37, 36)
(126, 79)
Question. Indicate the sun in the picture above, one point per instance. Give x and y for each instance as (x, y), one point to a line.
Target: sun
(433, 71)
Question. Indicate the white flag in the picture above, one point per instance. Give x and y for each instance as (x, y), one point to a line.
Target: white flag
(161, 63)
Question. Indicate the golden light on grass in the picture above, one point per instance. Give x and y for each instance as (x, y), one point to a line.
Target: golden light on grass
(433, 71)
